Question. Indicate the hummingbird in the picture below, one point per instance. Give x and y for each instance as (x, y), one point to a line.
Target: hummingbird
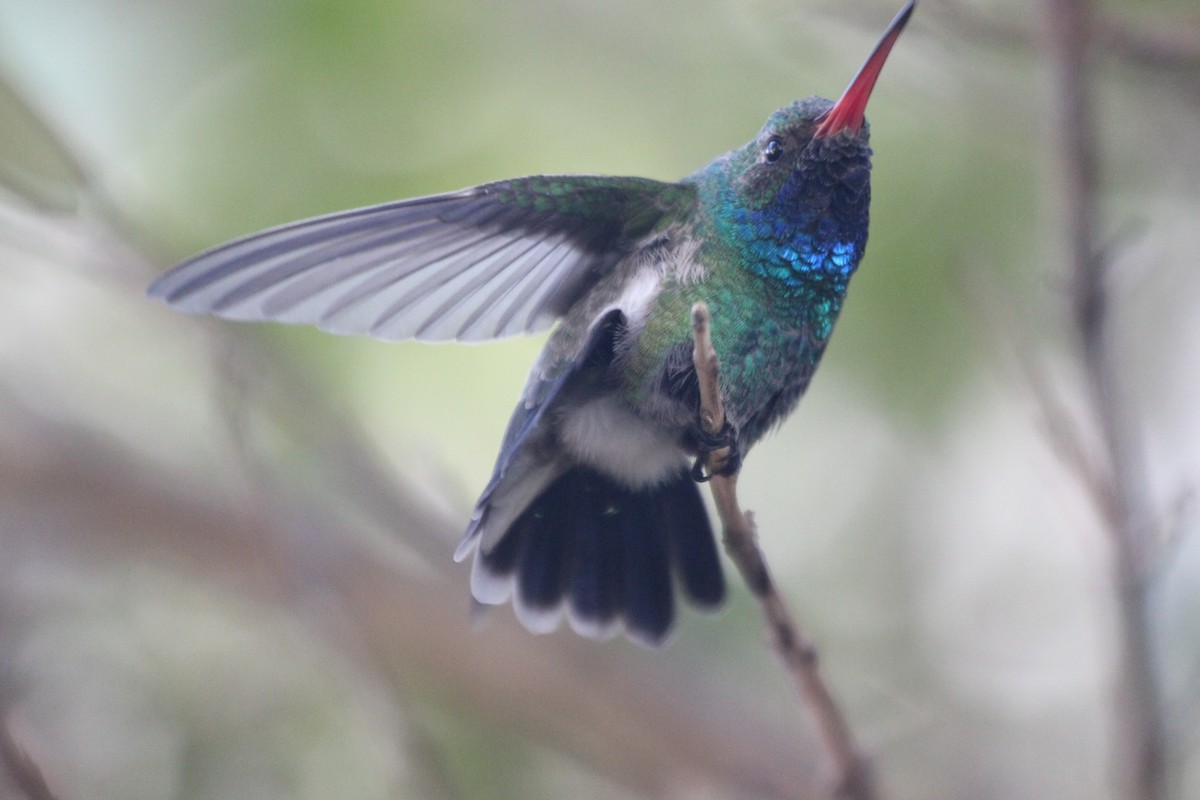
(592, 511)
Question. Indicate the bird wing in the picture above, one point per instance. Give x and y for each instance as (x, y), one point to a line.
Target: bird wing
(522, 472)
(490, 261)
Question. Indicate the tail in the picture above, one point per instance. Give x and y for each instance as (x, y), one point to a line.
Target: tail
(606, 554)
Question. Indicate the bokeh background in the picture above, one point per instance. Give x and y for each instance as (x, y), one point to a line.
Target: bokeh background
(225, 549)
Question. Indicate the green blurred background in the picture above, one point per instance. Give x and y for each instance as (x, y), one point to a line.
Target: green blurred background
(224, 549)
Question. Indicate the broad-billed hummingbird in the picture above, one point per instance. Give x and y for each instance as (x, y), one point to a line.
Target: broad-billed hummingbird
(592, 510)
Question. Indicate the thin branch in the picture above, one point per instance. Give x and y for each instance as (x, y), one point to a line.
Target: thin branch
(799, 655)
(1139, 753)
(1065, 434)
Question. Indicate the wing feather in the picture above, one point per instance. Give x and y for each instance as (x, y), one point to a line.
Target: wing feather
(452, 277)
(496, 310)
(500, 269)
(491, 261)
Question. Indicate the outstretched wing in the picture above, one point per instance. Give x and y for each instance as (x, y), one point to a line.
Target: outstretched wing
(494, 260)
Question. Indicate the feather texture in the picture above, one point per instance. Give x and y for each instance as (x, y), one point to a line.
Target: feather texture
(499, 259)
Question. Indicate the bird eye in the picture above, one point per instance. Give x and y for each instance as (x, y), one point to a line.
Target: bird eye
(773, 151)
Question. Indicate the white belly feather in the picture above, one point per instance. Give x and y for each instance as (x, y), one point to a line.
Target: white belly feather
(607, 435)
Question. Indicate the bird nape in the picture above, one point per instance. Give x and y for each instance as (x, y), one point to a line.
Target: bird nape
(592, 512)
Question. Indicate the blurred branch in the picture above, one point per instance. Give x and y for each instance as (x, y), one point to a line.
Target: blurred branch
(351, 463)
(639, 722)
(1171, 47)
(19, 769)
(35, 164)
(1120, 496)
(799, 654)
(1175, 46)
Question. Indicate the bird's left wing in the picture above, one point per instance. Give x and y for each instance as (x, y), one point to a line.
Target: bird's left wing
(485, 262)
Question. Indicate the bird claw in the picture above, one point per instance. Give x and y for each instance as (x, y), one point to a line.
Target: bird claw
(707, 444)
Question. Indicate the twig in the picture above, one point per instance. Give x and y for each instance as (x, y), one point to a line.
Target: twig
(1139, 754)
(852, 768)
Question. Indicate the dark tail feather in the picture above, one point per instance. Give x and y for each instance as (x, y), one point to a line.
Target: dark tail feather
(609, 552)
(649, 596)
(596, 589)
(693, 547)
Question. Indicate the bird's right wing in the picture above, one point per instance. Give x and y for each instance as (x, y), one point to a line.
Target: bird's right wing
(485, 262)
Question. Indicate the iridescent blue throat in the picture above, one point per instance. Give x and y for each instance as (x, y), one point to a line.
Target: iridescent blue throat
(799, 239)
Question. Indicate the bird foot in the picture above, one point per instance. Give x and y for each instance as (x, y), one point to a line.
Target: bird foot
(707, 444)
